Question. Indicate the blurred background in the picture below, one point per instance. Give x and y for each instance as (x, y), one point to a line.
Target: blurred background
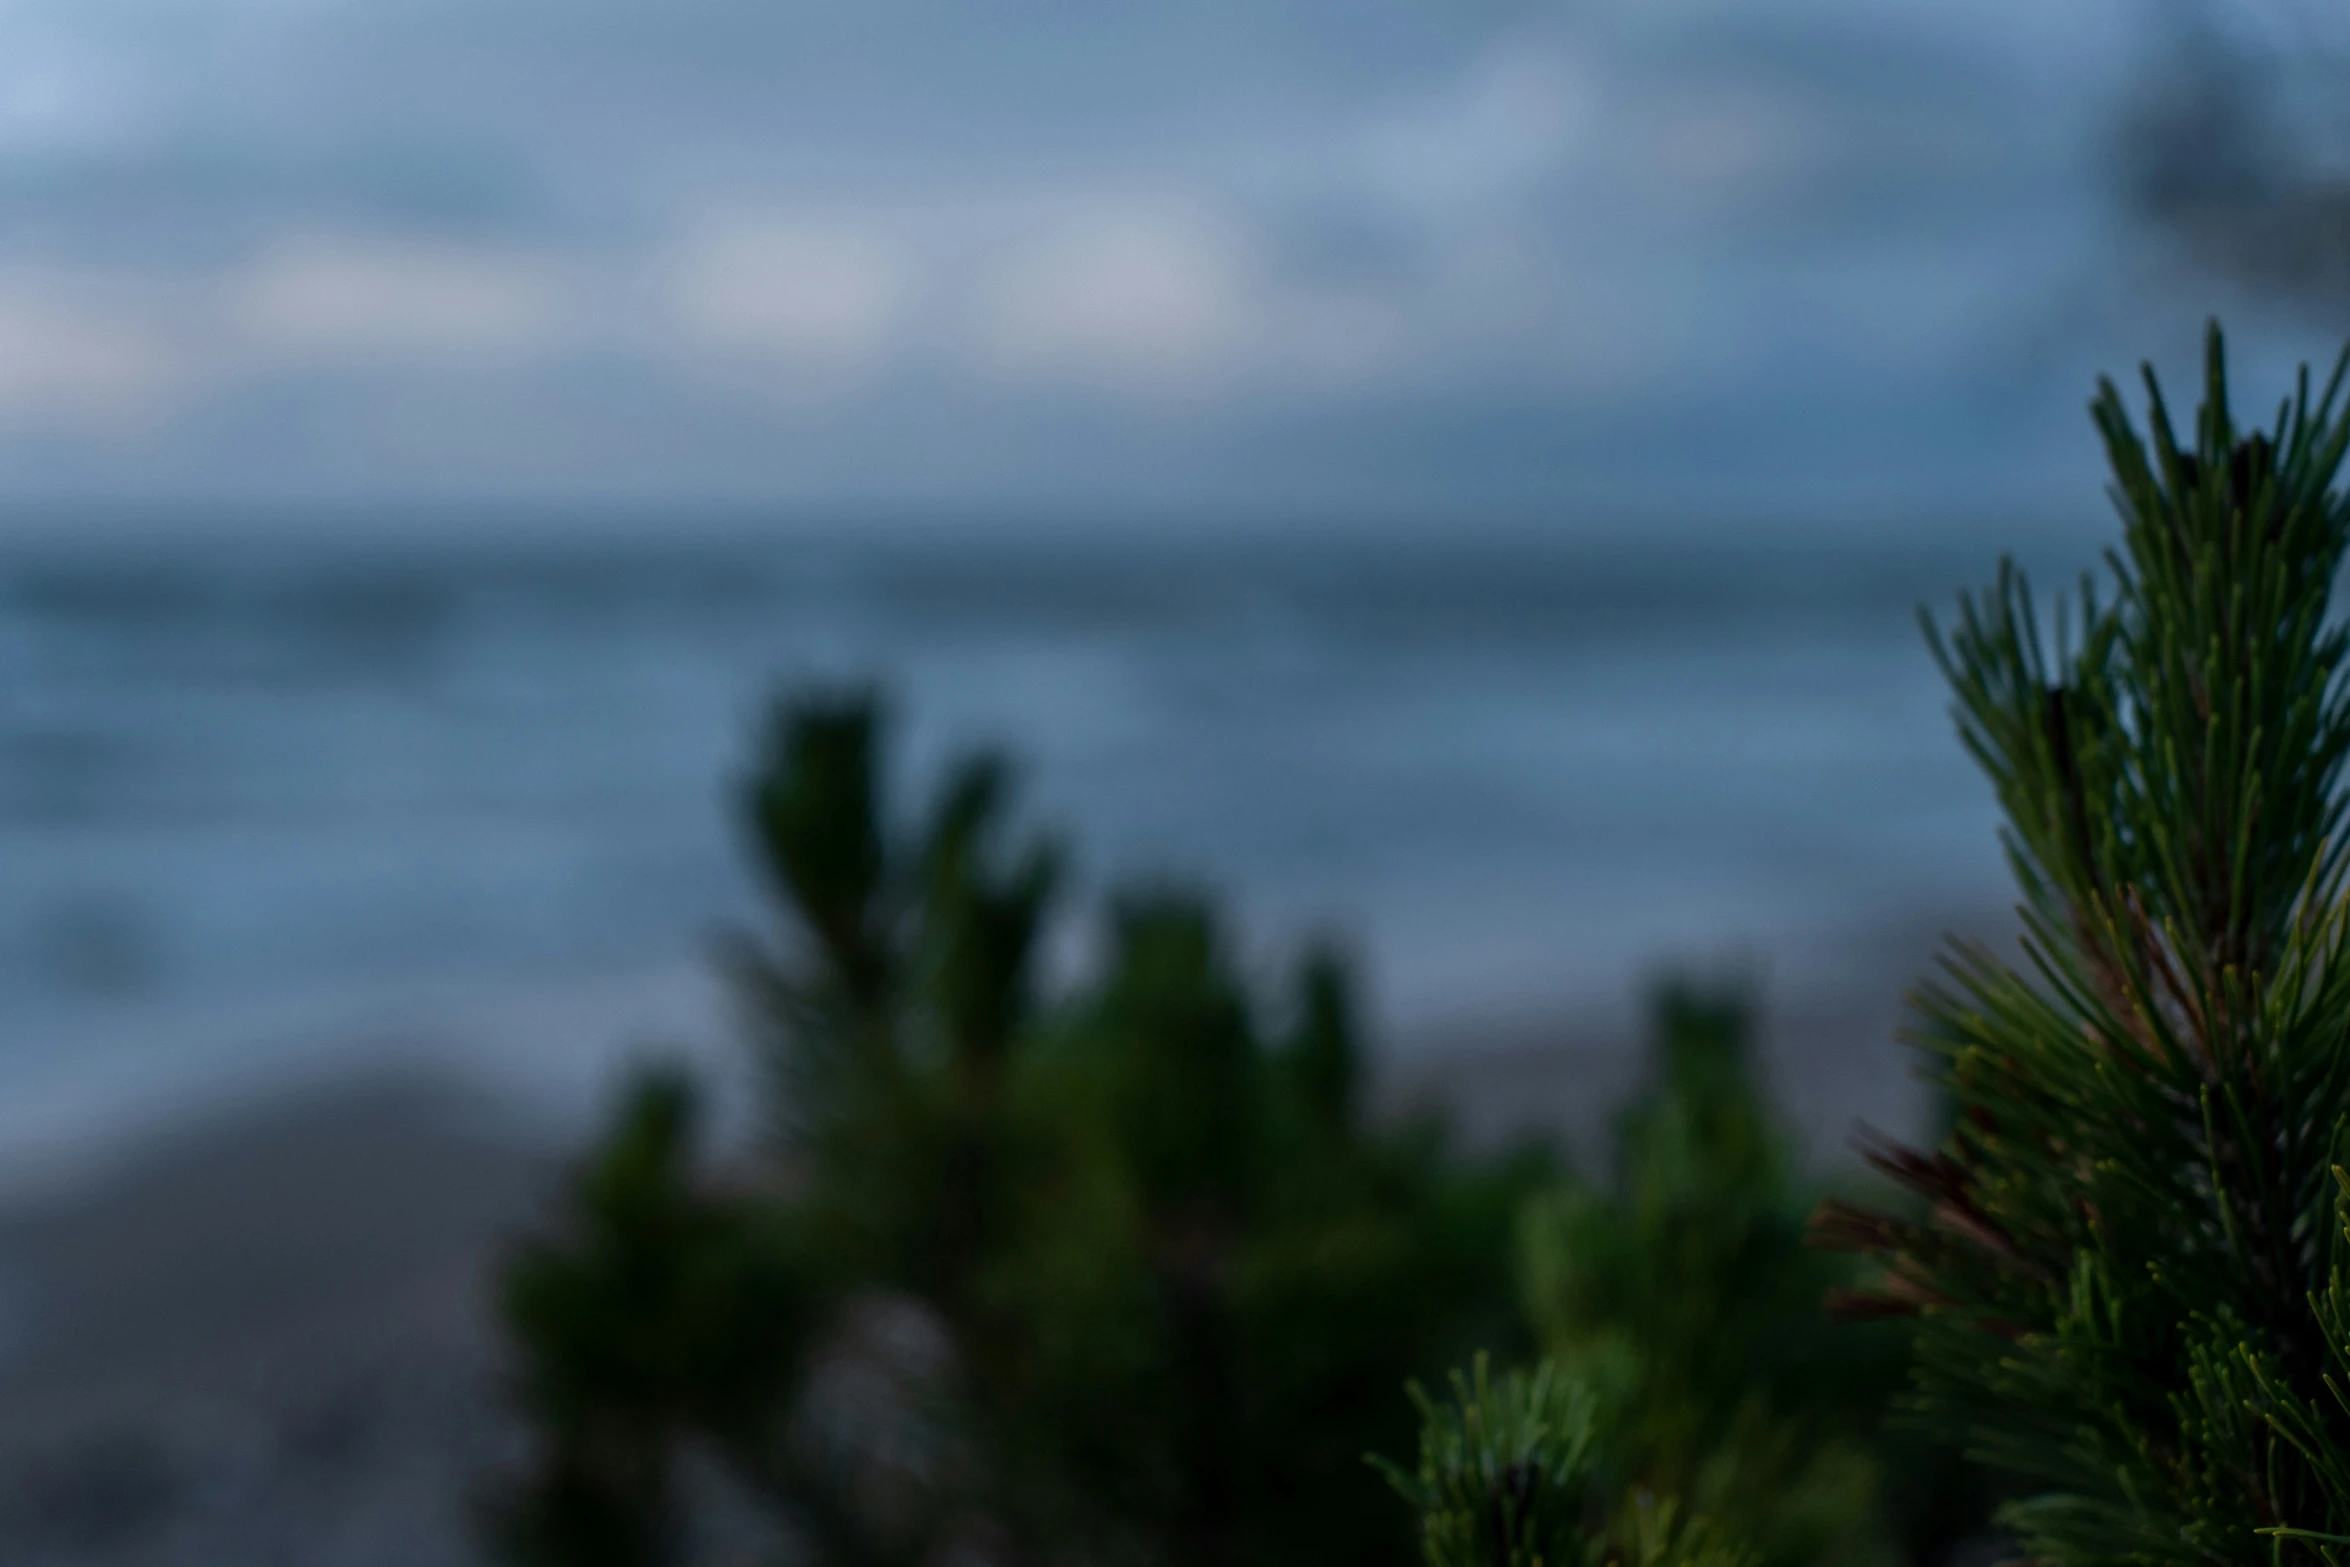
(1458, 475)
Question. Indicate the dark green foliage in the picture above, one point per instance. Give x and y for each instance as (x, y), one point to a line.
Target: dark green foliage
(1323, 1059)
(2129, 1272)
(813, 810)
(1180, 1279)
(1682, 1295)
(1509, 1476)
(666, 1310)
(1504, 1471)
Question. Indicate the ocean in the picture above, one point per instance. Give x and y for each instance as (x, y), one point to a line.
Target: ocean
(270, 808)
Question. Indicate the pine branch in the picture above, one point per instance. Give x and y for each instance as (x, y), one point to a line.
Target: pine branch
(2131, 1231)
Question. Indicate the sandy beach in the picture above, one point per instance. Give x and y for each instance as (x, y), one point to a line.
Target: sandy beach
(264, 1340)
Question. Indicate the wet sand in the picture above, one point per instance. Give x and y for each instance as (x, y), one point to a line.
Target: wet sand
(264, 1340)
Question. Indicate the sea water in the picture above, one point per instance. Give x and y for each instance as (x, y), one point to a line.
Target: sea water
(272, 807)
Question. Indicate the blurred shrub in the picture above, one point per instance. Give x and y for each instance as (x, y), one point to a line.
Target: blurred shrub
(664, 1309)
(1681, 1297)
(1176, 1278)
(1126, 1274)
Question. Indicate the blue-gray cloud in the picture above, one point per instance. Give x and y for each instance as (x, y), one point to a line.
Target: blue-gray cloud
(878, 251)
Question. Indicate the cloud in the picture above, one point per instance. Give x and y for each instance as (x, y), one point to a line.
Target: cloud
(864, 233)
(375, 300)
(1733, 145)
(1139, 294)
(818, 299)
(77, 355)
(1520, 112)
(1147, 297)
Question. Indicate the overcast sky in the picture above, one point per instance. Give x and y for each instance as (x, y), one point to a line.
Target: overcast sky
(1280, 256)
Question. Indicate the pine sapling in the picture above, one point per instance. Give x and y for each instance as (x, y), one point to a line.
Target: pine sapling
(2129, 1272)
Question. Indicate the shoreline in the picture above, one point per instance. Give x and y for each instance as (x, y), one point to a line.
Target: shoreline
(546, 1048)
